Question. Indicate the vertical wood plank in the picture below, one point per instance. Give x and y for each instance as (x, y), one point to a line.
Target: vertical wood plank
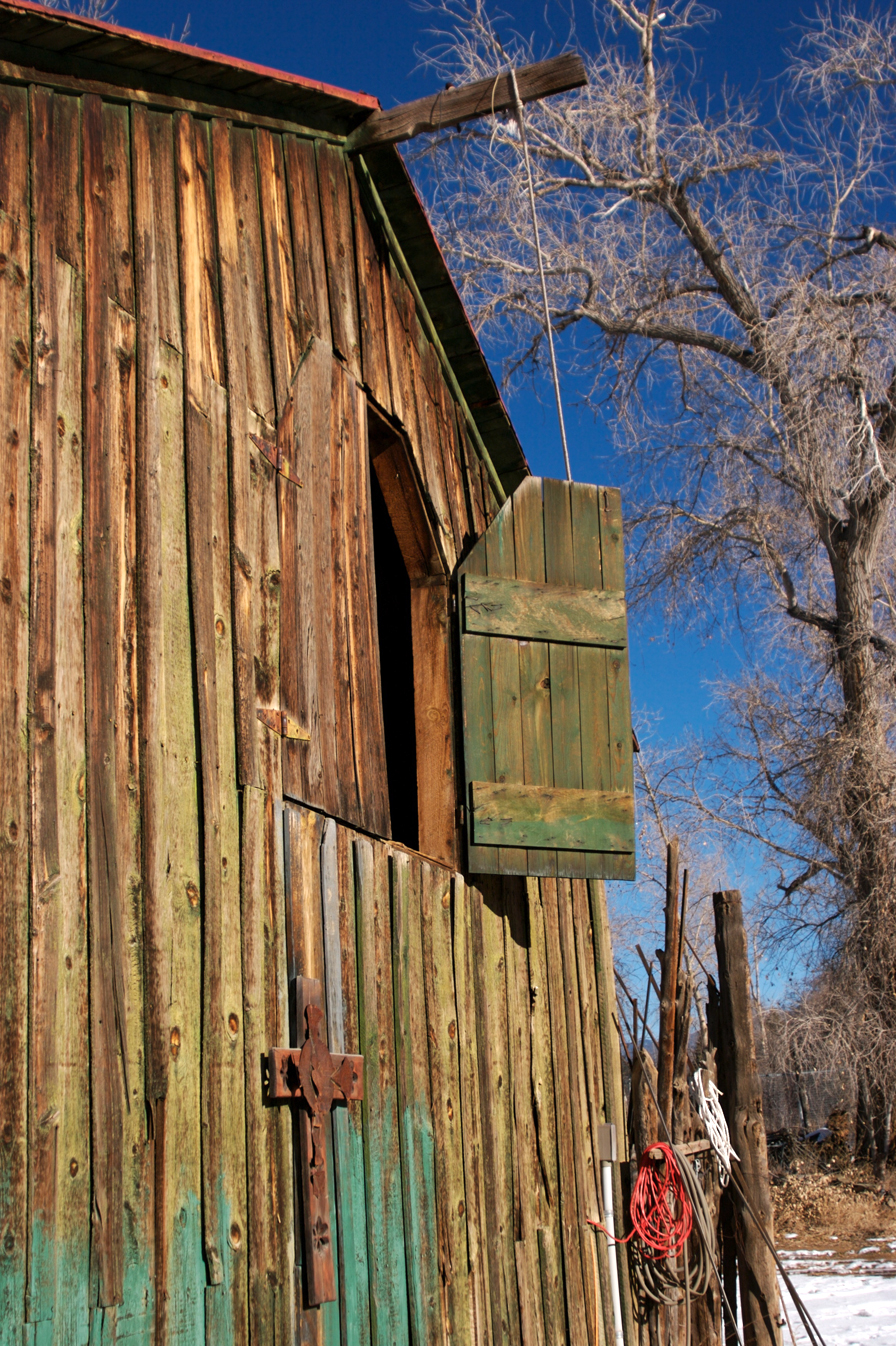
(487, 921)
(361, 622)
(414, 1102)
(256, 628)
(582, 1141)
(398, 311)
(465, 976)
(546, 1124)
(60, 1089)
(382, 1153)
(286, 335)
(565, 717)
(336, 212)
(562, 1075)
(368, 246)
(306, 667)
(479, 736)
(426, 445)
(505, 676)
(120, 1153)
(223, 1155)
(444, 1074)
(619, 711)
(343, 446)
(169, 813)
(15, 428)
(348, 1140)
(307, 239)
(535, 672)
(527, 1180)
(434, 717)
(451, 456)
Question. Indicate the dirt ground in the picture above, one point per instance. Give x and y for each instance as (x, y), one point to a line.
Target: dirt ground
(839, 1214)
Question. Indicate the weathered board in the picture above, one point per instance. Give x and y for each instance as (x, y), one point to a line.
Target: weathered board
(544, 675)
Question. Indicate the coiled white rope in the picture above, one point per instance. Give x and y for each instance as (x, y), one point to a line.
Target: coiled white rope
(706, 1101)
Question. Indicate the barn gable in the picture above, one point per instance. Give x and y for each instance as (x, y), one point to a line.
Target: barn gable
(251, 449)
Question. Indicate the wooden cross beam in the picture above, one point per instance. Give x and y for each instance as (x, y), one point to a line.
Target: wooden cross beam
(315, 1080)
(450, 107)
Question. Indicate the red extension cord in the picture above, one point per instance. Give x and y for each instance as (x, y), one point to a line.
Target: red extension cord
(661, 1212)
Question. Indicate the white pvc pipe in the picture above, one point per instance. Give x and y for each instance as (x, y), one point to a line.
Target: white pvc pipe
(606, 1179)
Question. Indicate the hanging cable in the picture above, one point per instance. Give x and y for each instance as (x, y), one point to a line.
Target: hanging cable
(706, 1101)
(518, 109)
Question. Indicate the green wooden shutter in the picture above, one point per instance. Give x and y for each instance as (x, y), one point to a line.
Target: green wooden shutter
(544, 662)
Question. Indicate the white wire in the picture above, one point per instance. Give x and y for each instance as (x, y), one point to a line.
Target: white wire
(706, 1101)
(518, 108)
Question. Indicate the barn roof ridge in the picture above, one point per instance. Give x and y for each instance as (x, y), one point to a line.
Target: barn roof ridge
(35, 36)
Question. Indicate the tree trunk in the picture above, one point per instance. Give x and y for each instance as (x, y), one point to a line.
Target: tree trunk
(742, 1102)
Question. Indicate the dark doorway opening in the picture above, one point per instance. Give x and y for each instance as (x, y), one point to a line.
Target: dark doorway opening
(396, 642)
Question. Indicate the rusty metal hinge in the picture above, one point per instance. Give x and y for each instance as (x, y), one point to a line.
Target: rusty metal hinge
(275, 457)
(460, 816)
(283, 724)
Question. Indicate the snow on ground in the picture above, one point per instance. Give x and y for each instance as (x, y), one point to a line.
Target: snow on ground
(852, 1303)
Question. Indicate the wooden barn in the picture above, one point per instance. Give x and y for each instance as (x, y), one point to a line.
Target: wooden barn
(314, 735)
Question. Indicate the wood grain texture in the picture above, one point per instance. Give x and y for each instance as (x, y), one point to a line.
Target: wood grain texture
(465, 980)
(507, 724)
(425, 444)
(309, 770)
(60, 1091)
(619, 712)
(307, 239)
(369, 249)
(487, 926)
(481, 98)
(414, 1101)
(445, 1094)
(287, 339)
(545, 1104)
(344, 436)
(15, 408)
(119, 1140)
(570, 1227)
(509, 815)
(433, 716)
(348, 1140)
(361, 635)
(255, 578)
(529, 611)
(224, 1163)
(339, 251)
(386, 1245)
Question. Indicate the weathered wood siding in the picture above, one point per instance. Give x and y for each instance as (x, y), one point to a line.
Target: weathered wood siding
(171, 283)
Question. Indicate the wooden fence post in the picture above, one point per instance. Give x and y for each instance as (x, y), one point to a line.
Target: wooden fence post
(742, 1104)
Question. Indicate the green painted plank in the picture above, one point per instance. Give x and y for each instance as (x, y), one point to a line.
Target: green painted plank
(528, 611)
(508, 814)
(415, 1112)
(348, 1148)
(507, 723)
(535, 669)
(592, 664)
(565, 718)
(619, 708)
(382, 1153)
(476, 689)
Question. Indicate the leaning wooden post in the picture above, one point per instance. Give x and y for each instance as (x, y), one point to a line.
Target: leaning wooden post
(669, 987)
(742, 1103)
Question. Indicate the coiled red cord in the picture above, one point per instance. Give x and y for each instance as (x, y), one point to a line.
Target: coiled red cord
(661, 1211)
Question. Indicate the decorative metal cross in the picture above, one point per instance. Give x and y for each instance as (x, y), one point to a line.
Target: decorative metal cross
(311, 1077)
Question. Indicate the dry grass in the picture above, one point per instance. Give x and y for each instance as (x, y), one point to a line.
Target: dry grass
(839, 1211)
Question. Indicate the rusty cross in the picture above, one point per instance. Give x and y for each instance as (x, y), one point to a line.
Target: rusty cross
(310, 1077)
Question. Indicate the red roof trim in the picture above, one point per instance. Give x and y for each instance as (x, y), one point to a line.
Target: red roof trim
(163, 44)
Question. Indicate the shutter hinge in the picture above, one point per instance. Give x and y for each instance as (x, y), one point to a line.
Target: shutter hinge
(460, 816)
(454, 605)
(283, 724)
(275, 457)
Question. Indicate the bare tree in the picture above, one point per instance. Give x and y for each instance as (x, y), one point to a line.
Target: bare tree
(726, 280)
(88, 9)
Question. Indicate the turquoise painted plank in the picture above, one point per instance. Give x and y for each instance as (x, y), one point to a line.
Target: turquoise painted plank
(350, 1201)
(619, 708)
(382, 1150)
(415, 1111)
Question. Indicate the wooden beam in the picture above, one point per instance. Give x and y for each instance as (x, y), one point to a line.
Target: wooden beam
(450, 107)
